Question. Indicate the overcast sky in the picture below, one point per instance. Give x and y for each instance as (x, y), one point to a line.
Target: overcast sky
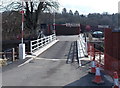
(90, 6)
(86, 6)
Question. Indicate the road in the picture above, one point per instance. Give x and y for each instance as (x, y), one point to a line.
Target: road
(50, 69)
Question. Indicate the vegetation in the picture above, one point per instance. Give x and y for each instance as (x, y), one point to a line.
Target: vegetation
(32, 13)
(37, 14)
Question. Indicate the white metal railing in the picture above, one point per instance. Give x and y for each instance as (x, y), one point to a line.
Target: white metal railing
(39, 43)
(83, 44)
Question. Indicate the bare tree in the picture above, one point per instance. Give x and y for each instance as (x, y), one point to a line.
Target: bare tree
(33, 10)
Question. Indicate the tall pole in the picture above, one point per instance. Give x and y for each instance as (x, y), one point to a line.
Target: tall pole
(54, 21)
(22, 22)
(22, 45)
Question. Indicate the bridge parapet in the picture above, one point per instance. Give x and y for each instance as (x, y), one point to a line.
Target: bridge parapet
(39, 43)
(83, 44)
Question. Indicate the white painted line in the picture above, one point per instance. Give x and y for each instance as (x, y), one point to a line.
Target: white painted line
(38, 52)
(51, 59)
(25, 62)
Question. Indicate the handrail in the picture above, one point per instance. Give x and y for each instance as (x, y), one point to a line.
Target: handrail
(83, 44)
(37, 44)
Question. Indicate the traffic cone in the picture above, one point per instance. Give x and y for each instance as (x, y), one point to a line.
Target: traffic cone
(116, 82)
(98, 78)
(93, 70)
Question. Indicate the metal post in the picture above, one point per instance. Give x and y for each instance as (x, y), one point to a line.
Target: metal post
(42, 42)
(86, 48)
(93, 49)
(49, 38)
(13, 54)
(45, 40)
(22, 46)
(22, 22)
(54, 22)
(100, 57)
(90, 51)
(31, 47)
(37, 44)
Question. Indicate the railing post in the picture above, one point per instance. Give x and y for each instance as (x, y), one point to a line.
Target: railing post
(47, 39)
(37, 44)
(86, 49)
(91, 51)
(31, 47)
(42, 41)
(54, 37)
(100, 57)
(51, 37)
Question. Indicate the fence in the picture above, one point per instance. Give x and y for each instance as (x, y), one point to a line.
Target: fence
(110, 59)
(9, 55)
(91, 49)
(37, 44)
(82, 43)
(99, 55)
(112, 51)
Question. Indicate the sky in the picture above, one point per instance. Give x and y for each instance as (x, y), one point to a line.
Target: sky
(85, 6)
(90, 6)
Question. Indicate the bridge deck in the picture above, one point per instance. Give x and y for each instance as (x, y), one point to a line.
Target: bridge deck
(59, 51)
(50, 69)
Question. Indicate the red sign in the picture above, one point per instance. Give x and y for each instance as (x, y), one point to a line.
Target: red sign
(22, 12)
(88, 27)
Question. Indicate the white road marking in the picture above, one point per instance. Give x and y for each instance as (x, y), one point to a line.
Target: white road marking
(51, 59)
(25, 62)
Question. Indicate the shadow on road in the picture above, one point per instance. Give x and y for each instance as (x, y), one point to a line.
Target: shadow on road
(72, 55)
(86, 82)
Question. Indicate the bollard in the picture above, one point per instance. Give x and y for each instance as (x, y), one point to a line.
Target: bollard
(21, 51)
(13, 54)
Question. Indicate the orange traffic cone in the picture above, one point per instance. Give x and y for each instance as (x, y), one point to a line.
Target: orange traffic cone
(116, 82)
(93, 70)
(98, 78)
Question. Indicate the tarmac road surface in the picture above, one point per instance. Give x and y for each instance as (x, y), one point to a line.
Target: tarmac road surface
(50, 69)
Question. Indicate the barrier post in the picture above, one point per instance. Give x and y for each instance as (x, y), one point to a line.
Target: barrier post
(13, 54)
(42, 42)
(21, 51)
(86, 54)
(37, 44)
(22, 45)
(31, 47)
(100, 57)
(90, 51)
